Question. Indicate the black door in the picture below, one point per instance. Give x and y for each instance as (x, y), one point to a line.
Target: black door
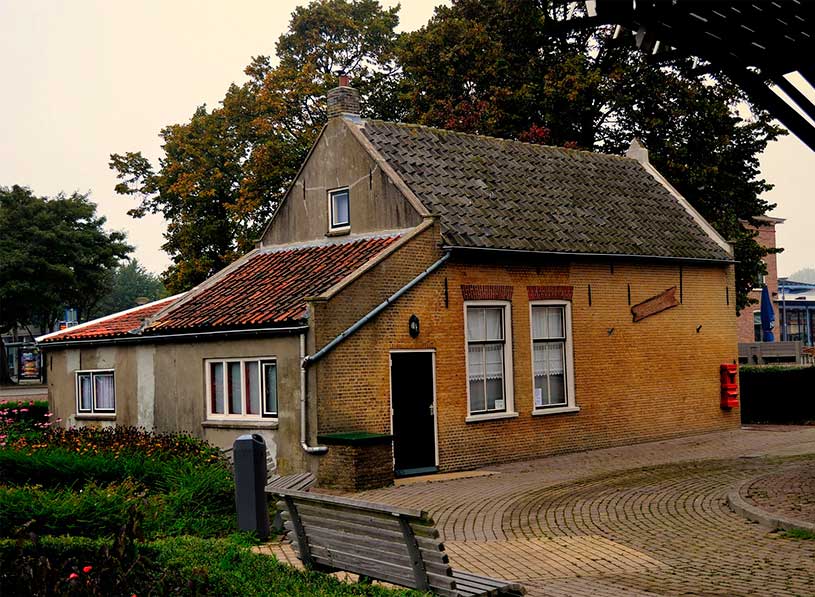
(414, 433)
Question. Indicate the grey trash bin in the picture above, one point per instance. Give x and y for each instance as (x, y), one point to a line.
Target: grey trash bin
(250, 484)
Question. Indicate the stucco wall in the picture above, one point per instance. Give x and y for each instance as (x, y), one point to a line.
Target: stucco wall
(338, 160)
(161, 386)
(653, 379)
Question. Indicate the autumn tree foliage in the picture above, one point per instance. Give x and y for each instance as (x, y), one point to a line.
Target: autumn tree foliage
(507, 68)
(224, 170)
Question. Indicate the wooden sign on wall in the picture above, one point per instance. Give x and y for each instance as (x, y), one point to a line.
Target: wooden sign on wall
(655, 304)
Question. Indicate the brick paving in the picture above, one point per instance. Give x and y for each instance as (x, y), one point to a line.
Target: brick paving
(642, 520)
(789, 493)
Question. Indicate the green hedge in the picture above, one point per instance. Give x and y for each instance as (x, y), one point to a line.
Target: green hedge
(776, 394)
(178, 566)
(199, 502)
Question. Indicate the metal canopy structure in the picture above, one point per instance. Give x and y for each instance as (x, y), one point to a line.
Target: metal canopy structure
(766, 46)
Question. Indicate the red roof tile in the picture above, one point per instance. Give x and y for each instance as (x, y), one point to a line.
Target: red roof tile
(268, 288)
(110, 326)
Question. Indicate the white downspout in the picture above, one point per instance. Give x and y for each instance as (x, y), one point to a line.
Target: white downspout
(303, 410)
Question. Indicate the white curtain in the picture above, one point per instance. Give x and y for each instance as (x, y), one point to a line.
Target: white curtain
(85, 392)
(105, 393)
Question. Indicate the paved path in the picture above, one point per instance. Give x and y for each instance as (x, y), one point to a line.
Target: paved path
(788, 492)
(641, 521)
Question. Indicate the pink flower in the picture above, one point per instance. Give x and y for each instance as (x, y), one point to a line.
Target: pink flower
(87, 569)
(73, 576)
(23, 410)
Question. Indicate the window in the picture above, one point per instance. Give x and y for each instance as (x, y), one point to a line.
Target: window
(339, 204)
(95, 392)
(489, 359)
(757, 332)
(244, 388)
(553, 384)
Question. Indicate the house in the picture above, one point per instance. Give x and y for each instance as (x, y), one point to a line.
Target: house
(425, 300)
(749, 320)
(796, 306)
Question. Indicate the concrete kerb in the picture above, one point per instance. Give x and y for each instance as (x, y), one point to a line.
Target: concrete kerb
(767, 519)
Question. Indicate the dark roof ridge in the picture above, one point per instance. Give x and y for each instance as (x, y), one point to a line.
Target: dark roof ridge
(364, 121)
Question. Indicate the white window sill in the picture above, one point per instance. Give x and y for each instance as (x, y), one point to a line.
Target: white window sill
(341, 231)
(555, 410)
(98, 416)
(240, 424)
(490, 417)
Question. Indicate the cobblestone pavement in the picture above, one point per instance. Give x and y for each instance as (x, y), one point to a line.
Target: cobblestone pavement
(789, 492)
(640, 520)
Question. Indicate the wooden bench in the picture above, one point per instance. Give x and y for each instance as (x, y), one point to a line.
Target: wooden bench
(299, 482)
(395, 545)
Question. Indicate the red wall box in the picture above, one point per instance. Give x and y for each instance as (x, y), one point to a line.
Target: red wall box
(730, 389)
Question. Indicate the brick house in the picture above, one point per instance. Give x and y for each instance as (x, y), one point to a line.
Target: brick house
(749, 320)
(424, 300)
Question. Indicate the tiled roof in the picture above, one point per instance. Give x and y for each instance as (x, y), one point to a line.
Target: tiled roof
(111, 326)
(268, 287)
(499, 194)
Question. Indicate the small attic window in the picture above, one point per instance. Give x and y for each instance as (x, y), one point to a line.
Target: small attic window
(339, 206)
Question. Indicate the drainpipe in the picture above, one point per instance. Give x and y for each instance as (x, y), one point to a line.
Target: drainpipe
(373, 313)
(305, 361)
(303, 410)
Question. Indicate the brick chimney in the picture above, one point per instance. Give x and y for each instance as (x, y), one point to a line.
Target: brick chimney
(343, 99)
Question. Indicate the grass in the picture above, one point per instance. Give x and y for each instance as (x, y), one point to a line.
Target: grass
(108, 512)
(799, 534)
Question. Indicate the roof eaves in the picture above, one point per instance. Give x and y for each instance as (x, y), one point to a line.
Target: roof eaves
(98, 320)
(464, 248)
(355, 127)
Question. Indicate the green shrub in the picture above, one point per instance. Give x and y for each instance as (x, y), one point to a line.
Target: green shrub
(92, 512)
(100, 511)
(777, 394)
(179, 566)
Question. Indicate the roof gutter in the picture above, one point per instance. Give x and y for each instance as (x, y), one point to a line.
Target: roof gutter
(134, 339)
(309, 360)
(606, 255)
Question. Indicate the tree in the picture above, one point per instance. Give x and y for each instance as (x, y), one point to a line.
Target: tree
(224, 171)
(806, 275)
(129, 283)
(509, 68)
(54, 253)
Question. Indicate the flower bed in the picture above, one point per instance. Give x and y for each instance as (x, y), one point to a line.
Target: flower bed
(120, 511)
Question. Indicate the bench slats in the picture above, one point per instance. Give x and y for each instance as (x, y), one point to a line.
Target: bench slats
(358, 504)
(356, 529)
(392, 553)
(363, 519)
(395, 545)
(504, 587)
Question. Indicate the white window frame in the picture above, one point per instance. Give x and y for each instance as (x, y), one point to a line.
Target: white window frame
(94, 410)
(338, 227)
(264, 415)
(571, 404)
(509, 393)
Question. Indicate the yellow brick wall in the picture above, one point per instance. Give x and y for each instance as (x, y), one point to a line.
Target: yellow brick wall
(649, 380)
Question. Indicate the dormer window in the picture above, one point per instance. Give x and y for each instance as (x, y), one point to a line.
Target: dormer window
(339, 206)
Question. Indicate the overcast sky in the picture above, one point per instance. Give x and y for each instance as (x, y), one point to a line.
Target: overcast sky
(86, 78)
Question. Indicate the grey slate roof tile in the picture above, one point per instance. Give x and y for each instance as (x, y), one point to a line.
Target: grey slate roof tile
(500, 194)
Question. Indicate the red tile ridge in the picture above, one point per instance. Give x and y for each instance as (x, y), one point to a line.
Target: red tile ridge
(72, 331)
